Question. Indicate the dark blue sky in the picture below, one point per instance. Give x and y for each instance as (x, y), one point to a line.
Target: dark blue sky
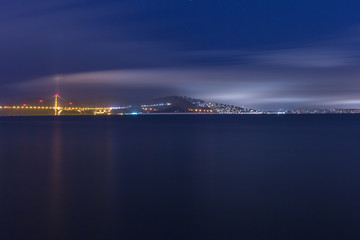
(259, 53)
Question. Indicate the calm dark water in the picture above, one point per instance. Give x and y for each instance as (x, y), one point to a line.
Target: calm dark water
(180, 177)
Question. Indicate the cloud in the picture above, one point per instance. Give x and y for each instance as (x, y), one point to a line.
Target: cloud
(118, 45)
(317, 75)
(255, 86)
(308, 57)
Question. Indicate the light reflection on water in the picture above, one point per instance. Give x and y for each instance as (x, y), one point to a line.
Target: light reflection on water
(55, 209)
(179, 177)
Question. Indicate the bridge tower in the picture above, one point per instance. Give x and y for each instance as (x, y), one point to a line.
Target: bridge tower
(56, 107)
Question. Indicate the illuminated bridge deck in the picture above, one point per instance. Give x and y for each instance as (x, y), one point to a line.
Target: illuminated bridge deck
(58, 108)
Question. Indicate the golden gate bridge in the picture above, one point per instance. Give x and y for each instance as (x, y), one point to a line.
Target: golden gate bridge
(58, 109)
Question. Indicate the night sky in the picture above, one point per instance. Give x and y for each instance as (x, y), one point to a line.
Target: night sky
(258, 53)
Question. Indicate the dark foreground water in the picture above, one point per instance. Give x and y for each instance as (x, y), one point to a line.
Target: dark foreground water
(180, 177)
